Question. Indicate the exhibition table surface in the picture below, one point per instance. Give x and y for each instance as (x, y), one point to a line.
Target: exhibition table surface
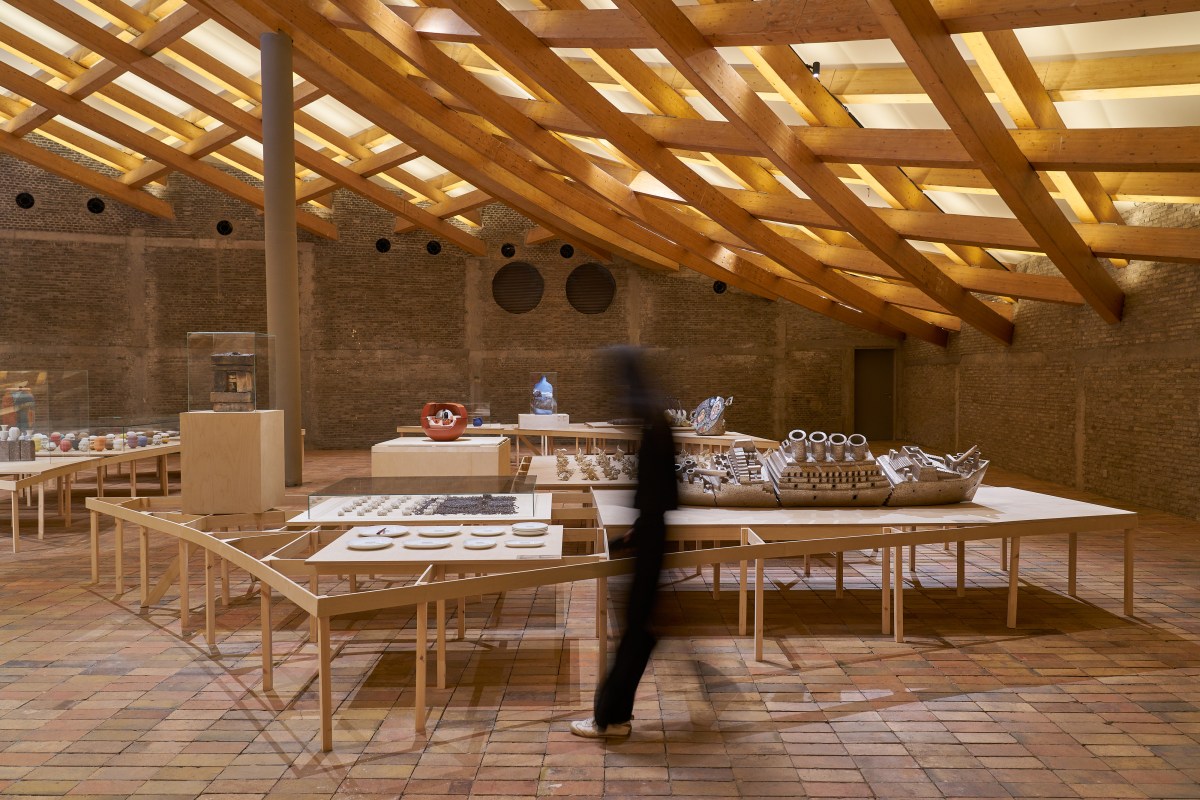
(530, 508)
(338, 557)
(63, 467)
(544, 469)
(992, 505)
(600, 432)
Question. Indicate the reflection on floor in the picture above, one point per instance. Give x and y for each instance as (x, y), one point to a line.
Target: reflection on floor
(97, 700)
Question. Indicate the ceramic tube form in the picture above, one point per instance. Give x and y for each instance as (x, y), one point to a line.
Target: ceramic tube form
(837, 446)
(817, 441)
(858, 446)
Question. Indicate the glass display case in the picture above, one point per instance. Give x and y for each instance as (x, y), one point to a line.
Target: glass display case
(355, 500)
(42, 412)
(230, 371)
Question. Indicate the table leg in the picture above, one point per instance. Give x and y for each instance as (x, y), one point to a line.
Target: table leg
(898, 595)
(162, 475)
(100, 474)
(325, 679)
(268, 659)
(144, 565)
(912, 558)
(224, 583)
(1129, 534)
(961, 558)
(743, 588)
(1014, 567)
(1072, 562)
(716, 580)
(184, 604)
(440, 574)
(421, 666)
(460, 605)
(759, 569)
(95, 542)
(70, 483)
(41, 511)
(314, 586)
(885, 581)
(119, 557)
(210, 598)
(601, 629)
(1004, 552)
(133, 478)
(807, 565)
(839, 580)
(16, 521)
(353, 581)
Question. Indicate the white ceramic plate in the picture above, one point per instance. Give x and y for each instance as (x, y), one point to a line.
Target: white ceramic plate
(524, 543)
(394, 531)
(426, 544)
(487, 530)
(440, 531)
(528, 527)
(369, 543)
(517, 532)
(479, 544)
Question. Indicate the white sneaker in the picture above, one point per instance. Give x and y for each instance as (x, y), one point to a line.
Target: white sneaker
(588, 729)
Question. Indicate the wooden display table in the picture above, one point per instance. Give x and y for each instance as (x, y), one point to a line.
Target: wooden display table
(995, 513)
(467, 455)
(544, 470)
(233, 461)
(590, 435)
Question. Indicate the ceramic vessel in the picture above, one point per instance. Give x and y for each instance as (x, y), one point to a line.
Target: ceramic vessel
(543, 401)
(443, 422)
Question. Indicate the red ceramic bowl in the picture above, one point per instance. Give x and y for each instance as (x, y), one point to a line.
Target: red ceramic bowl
(443, 430)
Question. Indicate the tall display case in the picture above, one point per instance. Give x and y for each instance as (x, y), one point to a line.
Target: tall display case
(230, 371)
(42, 412)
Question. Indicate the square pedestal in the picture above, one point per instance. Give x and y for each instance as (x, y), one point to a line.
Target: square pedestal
(410, 456)
(542, 422)
(232, 462)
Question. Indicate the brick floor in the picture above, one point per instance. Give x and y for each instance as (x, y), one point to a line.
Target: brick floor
(97, 700)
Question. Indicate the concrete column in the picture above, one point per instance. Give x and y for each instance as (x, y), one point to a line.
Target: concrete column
(283, 280)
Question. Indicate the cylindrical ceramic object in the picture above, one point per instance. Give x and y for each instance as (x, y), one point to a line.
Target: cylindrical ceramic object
(837, 446)
(858, 446)
(816, 443)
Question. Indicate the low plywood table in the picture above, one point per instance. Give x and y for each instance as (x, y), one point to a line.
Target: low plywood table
(996, 512)
(544, 469)
(594, 434)
(337, 558)
(407, 456)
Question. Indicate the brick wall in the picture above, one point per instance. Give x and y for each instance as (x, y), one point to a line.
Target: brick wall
(382, 333)
(1113, 409)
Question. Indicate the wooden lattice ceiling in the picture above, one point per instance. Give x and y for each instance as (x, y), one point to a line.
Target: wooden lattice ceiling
(938, 144)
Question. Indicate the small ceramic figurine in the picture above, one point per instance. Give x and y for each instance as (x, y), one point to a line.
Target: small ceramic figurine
(142, 440)
(443, 422)
(562, 466)
(65, 444)
(14, 433)
(607, 465)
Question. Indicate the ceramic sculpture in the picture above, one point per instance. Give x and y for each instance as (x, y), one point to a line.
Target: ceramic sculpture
(542, 401)
(709, 417)
(815, 469)
(233, 382)
(562, 466)
(443, 422)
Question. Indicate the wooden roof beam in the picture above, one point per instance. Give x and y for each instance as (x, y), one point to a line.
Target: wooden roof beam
(708, 71)
(698, 253)
(1011, 74)
(453, 207)
(779, 21)
(504, 31)
(927, 47)
(64, 105)
(77, 173)
(165, 78)
(331, 59)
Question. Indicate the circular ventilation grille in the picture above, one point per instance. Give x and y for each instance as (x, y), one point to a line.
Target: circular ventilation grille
(383, 245)
(95, 205)
(24, 200)
(590, 288)
(517, 287)
(433, 247)
(224, 227)
(720, 287)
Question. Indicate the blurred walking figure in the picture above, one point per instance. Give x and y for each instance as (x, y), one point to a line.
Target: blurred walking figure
(656, 495)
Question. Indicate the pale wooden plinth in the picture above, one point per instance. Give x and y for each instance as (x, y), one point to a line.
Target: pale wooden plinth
(232, 462)
(466, 456)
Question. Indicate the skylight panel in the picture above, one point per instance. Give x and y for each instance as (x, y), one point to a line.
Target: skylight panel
(424, 168)
(975, 205)
(1142, 112)
(230, 49)
(337, 116)
(1111, 37)
(899, 115)
(36, 30)
(150, 92)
